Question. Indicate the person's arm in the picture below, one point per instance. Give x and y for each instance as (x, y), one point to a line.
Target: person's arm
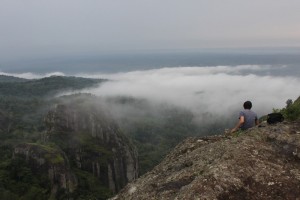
(256, 122)
(239, 124)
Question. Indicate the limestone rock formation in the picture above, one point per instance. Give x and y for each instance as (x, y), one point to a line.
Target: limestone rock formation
(261, 163)
(51, 161)
(93, 142)
(82, 150)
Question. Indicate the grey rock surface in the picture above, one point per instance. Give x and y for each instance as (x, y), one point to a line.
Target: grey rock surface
(261, 163)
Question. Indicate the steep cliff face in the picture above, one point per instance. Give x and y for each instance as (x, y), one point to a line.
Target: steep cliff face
(262, 163)
(93, 143)
(83, 153)
(51, 161)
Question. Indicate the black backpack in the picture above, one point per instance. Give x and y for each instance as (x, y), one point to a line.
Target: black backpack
(274, 118)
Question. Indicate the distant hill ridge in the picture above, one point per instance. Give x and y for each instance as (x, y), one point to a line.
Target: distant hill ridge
(13, 86)
(5, 79)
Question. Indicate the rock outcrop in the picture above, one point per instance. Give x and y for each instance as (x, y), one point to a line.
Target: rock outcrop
(81, 143)
(261, 163)
(51, 161)
(94, 143)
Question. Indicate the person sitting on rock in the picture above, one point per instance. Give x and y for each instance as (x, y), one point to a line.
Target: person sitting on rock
(247, 118)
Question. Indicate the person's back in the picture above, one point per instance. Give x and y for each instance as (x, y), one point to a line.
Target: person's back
(247, 118)
(250, 118)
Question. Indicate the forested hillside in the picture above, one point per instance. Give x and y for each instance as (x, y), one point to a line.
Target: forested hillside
(9, 79)
(24, 105)
(24, 102)
(11, 86)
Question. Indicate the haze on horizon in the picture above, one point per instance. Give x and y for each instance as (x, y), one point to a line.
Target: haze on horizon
(36, 30)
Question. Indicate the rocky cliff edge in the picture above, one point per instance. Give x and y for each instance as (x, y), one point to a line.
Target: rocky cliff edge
(261, 163)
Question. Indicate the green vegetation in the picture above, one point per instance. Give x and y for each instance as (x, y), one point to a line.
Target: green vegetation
(51, 154)
(292, 110)
(45, 86)
(11, 79)
(18, 181)
(154, 130)
(23, 106)
(91, 187)
(25, 103)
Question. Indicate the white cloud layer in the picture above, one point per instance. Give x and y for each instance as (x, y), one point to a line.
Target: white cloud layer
(218, 90)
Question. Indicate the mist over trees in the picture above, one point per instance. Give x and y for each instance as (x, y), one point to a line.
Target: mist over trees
(154, 127)
(23, 106)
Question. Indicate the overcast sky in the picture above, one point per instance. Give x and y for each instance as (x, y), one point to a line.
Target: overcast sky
(36, 28)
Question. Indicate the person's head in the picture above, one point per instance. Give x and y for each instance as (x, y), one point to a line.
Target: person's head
(248, 105)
